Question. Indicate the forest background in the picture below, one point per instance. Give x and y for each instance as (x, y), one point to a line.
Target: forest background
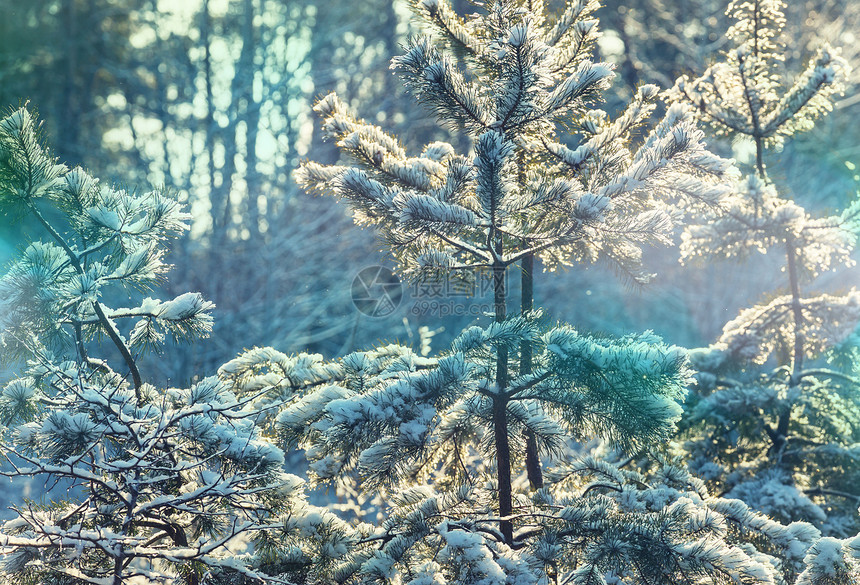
(212, 99)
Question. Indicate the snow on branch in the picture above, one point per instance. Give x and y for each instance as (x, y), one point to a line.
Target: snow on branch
(28, 170)
(436, 81)
(153, 472)
(759, 331)
(455, 29)
(756, 218)
(494, 184)
(574, 14)
(810, 96)
(583, 85)
(421, 209)
(746, 93)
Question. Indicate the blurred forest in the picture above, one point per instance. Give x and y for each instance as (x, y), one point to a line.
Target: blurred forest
(213, 98)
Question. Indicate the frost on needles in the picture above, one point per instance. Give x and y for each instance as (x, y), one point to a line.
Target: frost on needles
(517, 80)
(468, 449)
(775, 417)
(458, 443)
(158, 484)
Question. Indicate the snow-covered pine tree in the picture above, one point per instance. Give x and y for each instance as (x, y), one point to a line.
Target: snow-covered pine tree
(144, 485)
(510, 82)
(768, 423)
(444, 437)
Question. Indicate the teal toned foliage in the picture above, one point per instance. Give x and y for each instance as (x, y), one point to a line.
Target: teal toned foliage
(161, 484)
(393, 416)
(107, 238)
(444, 438)
(468, 450)
(419, 430)
(770, 421)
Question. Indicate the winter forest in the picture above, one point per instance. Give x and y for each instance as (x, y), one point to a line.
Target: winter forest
(429, 292)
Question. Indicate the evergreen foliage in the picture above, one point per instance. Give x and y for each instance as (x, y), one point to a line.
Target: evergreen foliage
(470, 448)
(421, 430)
(747, 95)
(770, 421)
(160, 485)
(446, 437)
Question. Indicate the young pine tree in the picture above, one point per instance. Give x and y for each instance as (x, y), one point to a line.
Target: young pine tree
(784, 439)
(444, 438)
(144, 484)
(523, 193)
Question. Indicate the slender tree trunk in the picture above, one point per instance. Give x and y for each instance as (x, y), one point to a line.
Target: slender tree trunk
(754, 113)
(242, 108)
(759, 156)
(781, 434)
(500, 408)
(533, 469)
(797, 366)
(70, 117)
(252, 120)
(215, 196)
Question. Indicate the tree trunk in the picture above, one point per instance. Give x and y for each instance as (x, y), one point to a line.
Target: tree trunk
(252, 120)
(500, 409)
(70, 119)
(215, 197)
(533, 469)
(780, 436)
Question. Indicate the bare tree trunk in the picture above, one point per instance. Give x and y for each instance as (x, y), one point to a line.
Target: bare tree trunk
(781, 434)
(533, 469)
(70, 114)
(216, 199)
(500, 408)
(252, 118)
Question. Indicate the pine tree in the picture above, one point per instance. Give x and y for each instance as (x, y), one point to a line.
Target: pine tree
(184, 485)
(445, 437)
(768, 423)
(532, 195)
(144, 484)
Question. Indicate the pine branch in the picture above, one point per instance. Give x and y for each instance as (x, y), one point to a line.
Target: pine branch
(105, 322)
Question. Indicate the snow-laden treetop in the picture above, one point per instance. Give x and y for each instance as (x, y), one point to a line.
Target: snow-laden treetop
(547, 172)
